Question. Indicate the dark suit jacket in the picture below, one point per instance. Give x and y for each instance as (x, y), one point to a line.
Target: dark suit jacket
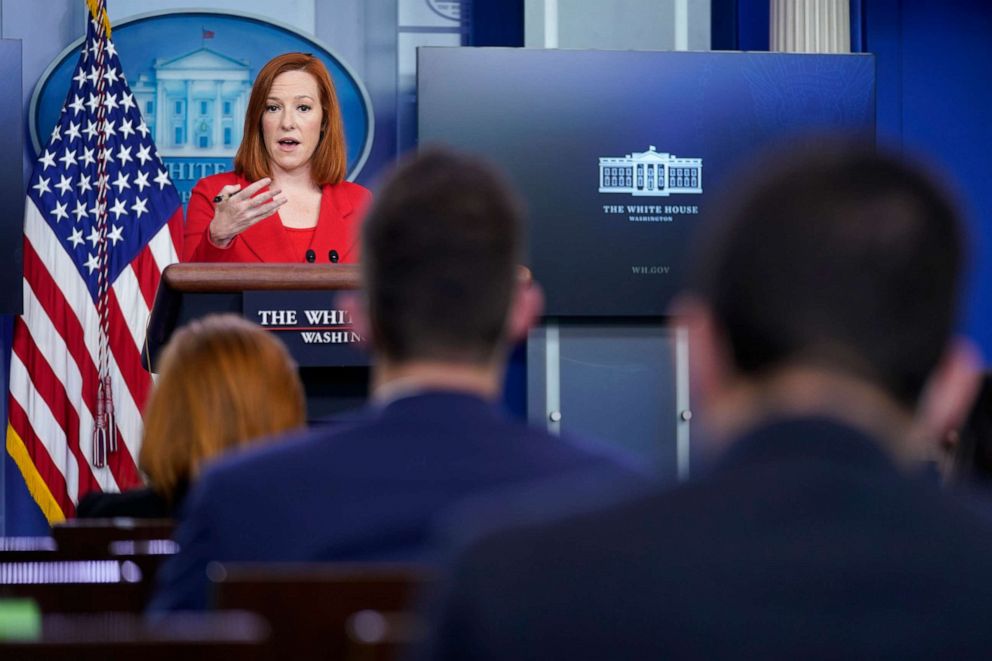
(806, 542)
(342, 207)
(143, 503)
(367, 492)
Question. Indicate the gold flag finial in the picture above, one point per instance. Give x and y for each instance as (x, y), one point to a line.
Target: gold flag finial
(96, 10)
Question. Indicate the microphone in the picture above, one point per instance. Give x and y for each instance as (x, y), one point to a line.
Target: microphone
(311, 256)
(333, 256)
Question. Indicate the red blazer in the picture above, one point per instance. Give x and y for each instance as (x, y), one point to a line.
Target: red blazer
(342, 207)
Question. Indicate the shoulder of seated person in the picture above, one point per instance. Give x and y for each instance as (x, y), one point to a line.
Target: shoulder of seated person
(257, 456)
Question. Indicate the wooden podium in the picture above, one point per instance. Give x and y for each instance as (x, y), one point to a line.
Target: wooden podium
(295, 301)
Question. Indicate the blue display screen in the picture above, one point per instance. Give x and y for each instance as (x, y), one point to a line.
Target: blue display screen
(619, 154)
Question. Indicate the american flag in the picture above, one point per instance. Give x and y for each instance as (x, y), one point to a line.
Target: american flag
(102, 221)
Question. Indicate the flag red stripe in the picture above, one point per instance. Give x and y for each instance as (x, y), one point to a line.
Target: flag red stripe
(147, 274)
(39, 455)
(52, 390)
(60, 313)
(177, 227)
(124, 467)
(126, 353)
(138, 382)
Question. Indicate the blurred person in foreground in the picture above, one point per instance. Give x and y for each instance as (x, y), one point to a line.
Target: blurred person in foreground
(442, 301)
(823, 364)
(223, 382)
(287, 199)
(966, 461)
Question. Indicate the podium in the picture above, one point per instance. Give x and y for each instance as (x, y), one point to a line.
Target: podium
(297, 302)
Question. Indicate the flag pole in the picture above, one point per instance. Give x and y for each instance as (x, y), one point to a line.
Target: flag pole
(104, 430)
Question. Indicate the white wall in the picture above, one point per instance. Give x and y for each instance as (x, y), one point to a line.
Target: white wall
(618, 24)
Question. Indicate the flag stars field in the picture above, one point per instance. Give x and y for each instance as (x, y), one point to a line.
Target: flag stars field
(42, 186)
(68, 158)
(47, 160)
(121, 182)
(60, 212)
(126, 129)
(118, 209)
(73, 132)
(140, 206)
(64, 185)
(76, 237)
(80, 210)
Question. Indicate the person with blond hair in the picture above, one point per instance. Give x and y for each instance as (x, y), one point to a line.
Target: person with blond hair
(223, 382)
(287, 199)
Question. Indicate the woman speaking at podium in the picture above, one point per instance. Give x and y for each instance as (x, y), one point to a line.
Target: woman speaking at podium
(286, 200)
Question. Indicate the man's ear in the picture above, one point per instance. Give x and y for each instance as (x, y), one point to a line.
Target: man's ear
(354, 305)
(709, 362)
(526, 307)
(950, 391)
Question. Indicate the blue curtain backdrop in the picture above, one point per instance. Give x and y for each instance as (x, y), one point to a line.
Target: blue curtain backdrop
(739, 24)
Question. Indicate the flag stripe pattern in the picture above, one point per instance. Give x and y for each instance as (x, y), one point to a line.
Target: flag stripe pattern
(101, 212)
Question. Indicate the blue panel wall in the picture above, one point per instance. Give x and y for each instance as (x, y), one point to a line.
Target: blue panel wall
(934, 64)
(497, 22)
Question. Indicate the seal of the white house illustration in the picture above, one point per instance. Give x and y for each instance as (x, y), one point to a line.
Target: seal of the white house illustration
(650, 173)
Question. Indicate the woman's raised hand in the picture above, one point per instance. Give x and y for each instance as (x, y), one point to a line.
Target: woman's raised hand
(237, 209)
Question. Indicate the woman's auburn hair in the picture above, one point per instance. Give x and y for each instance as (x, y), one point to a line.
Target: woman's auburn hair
(329, 162)
(222, 382)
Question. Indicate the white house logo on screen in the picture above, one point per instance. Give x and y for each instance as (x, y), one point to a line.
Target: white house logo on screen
(650, 173)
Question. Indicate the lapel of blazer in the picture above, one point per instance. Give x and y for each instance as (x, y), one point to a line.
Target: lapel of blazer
(335, 208)
(267, 240)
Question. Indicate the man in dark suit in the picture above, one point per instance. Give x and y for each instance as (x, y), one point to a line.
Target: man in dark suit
(443, 298)
(820, 323)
